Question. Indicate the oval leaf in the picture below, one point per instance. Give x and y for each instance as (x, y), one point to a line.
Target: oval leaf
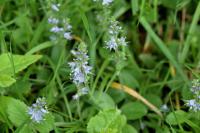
(134, 110)
(177, 117)
(107, 121)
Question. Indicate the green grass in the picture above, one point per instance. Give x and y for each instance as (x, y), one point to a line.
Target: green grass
(158, 64)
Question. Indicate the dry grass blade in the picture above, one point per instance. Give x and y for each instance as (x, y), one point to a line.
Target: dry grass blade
(137, 96)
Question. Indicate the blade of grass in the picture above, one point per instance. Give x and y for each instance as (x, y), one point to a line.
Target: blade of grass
(86, 25)
(39, 47)
(162, 47)
(190, 34)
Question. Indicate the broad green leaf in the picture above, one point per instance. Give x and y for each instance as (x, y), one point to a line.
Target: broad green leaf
(12, 110)
(17, 112)
(148, 60)
(127, 78)
(176, 117)
(10, 63)
(46, 125)
(107, 121)
(103, 100)
(154, 99)
(6, 80)
(117, 96)
(129, 129)
(134, 110)
(4, 101)
(26, 129)
(21, 87)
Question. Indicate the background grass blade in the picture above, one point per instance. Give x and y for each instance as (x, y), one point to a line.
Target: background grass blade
(162, 46)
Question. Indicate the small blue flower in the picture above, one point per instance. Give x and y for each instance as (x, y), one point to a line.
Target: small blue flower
(53, 20)
(67, 35)
(56, 29)
(80, 71)
(112, 44)
(38, 110)
(55, 7)
(194, 104)
(75, 97)
(107, 2)
(84, 91)
(115, 39)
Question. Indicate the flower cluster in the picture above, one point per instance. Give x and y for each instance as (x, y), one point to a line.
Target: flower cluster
(115, 38)
(105, 2)
(80, 71)
(194, 104)
(38, 110)
(60, 27)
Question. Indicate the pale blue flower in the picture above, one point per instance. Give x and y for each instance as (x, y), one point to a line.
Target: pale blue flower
(38, 110)
(67, 35)
(56, 29)
(194, 104)
(84, 91)
(75, 97)
(115, 38)
(53, 20)
(55, 7)
(107, 2)
(111, 44)
(122, 41)
(80, 71)
(80, 68)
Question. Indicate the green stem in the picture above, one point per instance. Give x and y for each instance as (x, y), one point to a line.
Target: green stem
(105, 63)
(111, 80)
(64, 97)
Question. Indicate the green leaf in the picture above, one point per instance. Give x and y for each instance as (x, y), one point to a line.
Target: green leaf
(17, 112)
(117, 96)
(148, 59)
(11, 63)
(134, 110)
(107, 121)
(134, 6)
(129, 129)
(103, 100)
(3, 109)
(12, 111)
(6, 80)
(154, 99)
(26, 129)
(127, 78)
(46, 125)
(176, 117)
(40, 47)
(21, 87)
